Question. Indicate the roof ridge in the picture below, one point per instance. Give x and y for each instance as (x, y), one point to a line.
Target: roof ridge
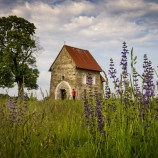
(75, 47)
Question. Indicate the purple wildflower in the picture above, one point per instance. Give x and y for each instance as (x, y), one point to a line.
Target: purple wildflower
(107, 89)
(136, 88)
(148, 84)
(17, 110)
(112, 72)
(100, 117)
(124, 63)
(87, 111)
(124, 76)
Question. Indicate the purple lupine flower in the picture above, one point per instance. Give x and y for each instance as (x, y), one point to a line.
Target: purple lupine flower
(148, 84)
(89, 115)
(112, 72)
(100, 117)
(124, 76)
(124, 62)
(107, 92)
(87, 112)
(17, 110)
(107, 89)
(11, 103)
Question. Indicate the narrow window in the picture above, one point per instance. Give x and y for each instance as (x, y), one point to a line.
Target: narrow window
(89, 79)
(84, 79)
(93, 80)
(63, 77)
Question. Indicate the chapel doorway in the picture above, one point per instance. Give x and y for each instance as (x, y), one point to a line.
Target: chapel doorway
(63, 94)
(63, 90)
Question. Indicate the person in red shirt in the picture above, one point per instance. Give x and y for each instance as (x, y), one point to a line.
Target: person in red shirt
(73, 94)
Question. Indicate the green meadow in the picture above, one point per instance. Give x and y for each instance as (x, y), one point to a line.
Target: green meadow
(57, 129)
(47, 129)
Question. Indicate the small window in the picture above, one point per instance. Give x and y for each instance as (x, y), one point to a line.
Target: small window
(63, 77)
(84, 79)
(93, 80)
(89, 79)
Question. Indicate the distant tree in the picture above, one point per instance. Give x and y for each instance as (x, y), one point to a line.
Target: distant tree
(17, 54)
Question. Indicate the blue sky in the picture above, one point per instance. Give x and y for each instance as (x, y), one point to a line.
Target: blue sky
(99, 26)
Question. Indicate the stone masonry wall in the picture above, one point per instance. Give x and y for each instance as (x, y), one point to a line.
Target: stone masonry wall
(62, 70)
(81, 86)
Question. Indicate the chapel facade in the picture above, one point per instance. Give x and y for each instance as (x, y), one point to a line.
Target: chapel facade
(72, 69)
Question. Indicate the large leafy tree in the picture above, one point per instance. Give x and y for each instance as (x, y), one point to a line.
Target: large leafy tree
(18, 48)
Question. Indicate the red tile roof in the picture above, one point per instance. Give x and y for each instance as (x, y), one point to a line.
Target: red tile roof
(83, 59)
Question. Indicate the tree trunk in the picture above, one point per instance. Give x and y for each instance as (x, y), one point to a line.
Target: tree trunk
(20, 89)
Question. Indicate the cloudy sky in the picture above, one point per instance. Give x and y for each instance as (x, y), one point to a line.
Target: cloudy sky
(100, 26)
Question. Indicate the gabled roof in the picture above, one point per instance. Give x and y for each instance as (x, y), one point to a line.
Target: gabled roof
(82, 58)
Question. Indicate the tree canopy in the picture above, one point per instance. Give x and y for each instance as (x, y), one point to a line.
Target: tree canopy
(17, 53)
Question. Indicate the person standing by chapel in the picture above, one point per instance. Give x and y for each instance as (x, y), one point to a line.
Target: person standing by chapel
(73, 94)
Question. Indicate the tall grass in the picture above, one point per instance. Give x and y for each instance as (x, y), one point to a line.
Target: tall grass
(47, 129)
(58, 129)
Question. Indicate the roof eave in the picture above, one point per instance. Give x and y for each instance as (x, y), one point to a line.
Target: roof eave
(88, 69)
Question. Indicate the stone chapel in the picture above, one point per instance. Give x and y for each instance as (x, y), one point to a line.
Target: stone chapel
(71, 70)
